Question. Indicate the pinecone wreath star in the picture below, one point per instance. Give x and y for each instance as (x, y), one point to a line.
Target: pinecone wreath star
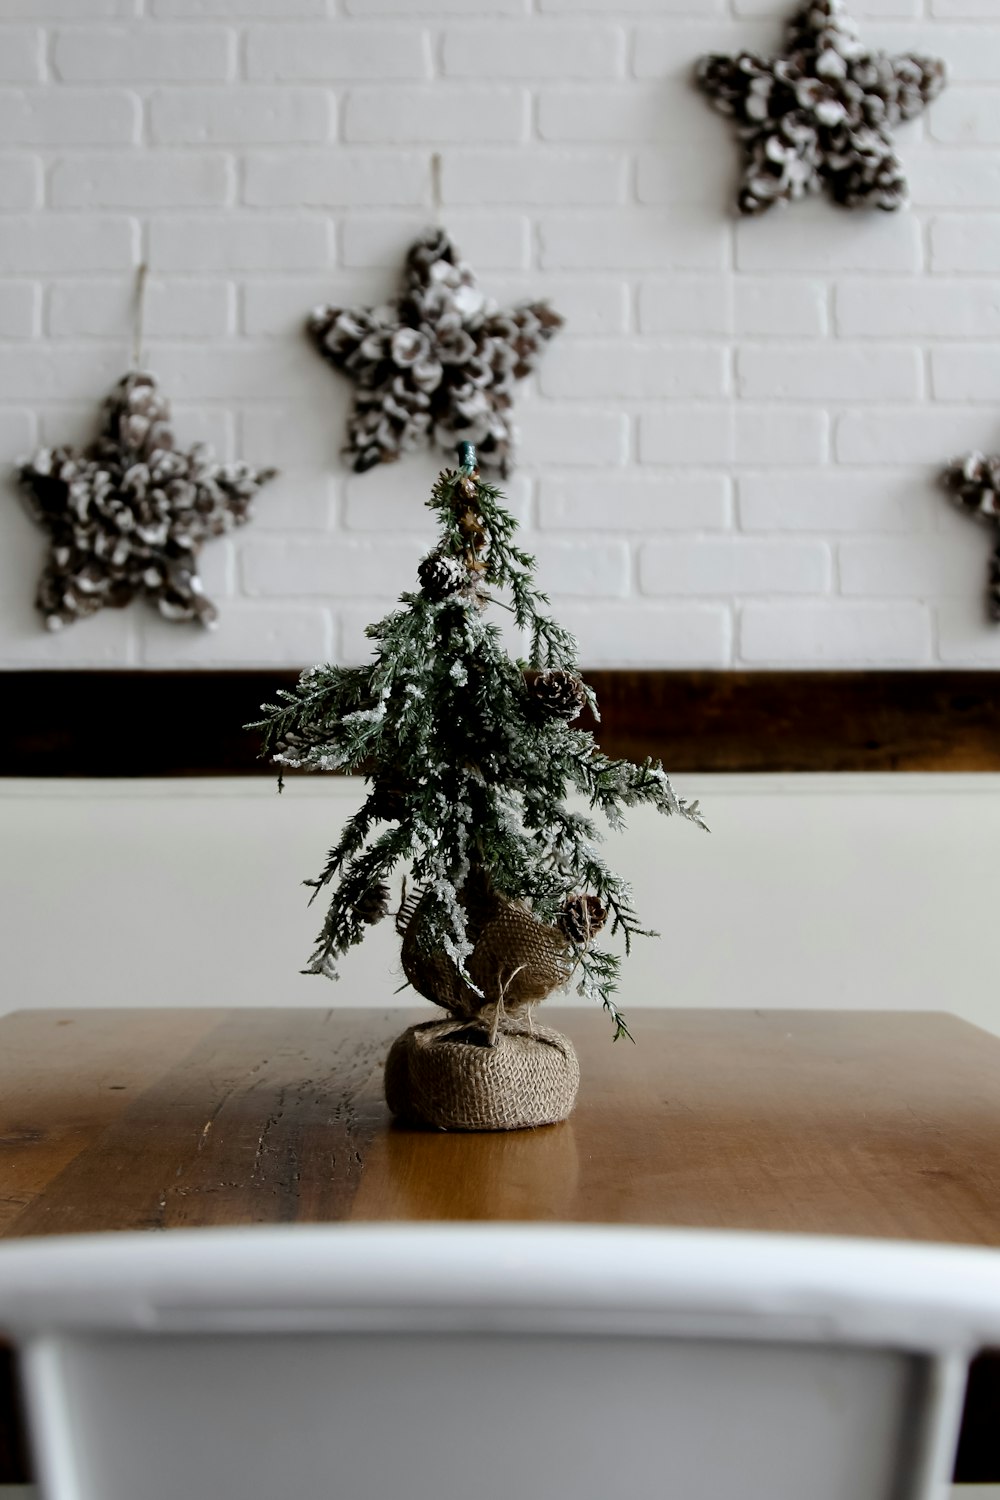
(819, 118)
(974, 484)
(128, 515)
(436, 367)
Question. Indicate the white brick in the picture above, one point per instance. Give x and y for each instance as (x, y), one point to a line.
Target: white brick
(828, 373)
(337, 50)
(966, 117)
(664, 111)
(860, 9)
(232, 10)
(276, 309)
(623, 370)
(950, 177)
(56, 373)
(733, 434)
(964, 10)
(907, 568)
(20, 303)
(437, 114)
(173, 309)
(672, 48)
(246, 635)
(250, 115)
(20, 182)
(581, 570)
(650, 635)
(21, 54)
(142, 179)
(437, 7)
(134, 54)
(660, 7)
(966, 635)
(239, 243)
(545, 178)
(53, 116)
(961, 373)
(18, 432)
(681, 176)
(833, 635)
(832, 502)
(927, 308)
(692, 305)
(389, 500)
(68, 10)
(589, 304)
(630, 240)
(486, 240)
(534, 50)
(296, 500)
(967, 243)
(698, 502)
(236, 371)
(268, 438)
(817, 236)
(67, 242)
(921, 435)
(329, 569)
(734, 565)
(788, 308)
(337, 178)
(550, 434)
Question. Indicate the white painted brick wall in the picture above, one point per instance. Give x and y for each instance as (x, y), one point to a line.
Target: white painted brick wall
(728, 456)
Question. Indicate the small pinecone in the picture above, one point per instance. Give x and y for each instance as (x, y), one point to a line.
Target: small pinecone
(558, 695)
(582, 917)
(974, 482)
(374, 904)
(441, 577)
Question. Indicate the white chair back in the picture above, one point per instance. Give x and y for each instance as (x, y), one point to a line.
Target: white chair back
(492, 1362)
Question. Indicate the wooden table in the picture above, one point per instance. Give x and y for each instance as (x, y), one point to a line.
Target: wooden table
(858, 1123)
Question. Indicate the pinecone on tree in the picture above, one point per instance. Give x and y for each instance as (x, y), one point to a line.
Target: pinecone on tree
(558, 695)
(582, 917)
(373, 905)
(442, 577)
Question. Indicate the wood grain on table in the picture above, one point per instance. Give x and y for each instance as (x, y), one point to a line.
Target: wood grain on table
(861, 1123)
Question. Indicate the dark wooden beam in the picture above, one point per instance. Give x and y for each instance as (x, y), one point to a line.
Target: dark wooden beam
(106, 724)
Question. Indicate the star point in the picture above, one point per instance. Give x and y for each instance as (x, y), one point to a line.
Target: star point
(128, 515)
(819, 118)
(974, 485)
(437, 366)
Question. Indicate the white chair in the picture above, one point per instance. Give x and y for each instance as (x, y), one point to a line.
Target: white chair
(494, 1362)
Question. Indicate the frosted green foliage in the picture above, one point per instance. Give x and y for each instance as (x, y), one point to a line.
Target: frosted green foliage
(466, 767)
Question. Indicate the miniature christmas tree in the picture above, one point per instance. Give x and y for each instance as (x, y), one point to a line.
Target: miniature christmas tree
(468, 756)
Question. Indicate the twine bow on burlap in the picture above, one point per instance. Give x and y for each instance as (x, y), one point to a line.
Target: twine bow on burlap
(487, 1066)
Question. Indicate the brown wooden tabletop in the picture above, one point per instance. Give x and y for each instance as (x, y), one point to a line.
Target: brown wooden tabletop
(859, 1123)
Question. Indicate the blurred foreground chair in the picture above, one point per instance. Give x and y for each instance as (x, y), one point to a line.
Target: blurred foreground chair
(493, 1363)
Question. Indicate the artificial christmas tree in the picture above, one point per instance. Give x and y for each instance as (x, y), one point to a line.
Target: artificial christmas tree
(468, 757)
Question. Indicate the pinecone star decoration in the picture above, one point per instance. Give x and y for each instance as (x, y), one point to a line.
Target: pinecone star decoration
(974, 484)
(128, 515)
(436, 367)
(820, 116)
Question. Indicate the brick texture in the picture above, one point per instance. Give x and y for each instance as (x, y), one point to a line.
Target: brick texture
(730, 454)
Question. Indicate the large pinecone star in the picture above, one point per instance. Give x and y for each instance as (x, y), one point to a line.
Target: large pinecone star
(438, 366)
(820, 117)
(128, 515)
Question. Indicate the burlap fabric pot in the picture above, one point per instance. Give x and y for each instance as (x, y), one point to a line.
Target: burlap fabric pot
(449, 1074)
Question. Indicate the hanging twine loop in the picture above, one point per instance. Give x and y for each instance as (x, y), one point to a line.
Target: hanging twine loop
(139, 315)
(436, 165)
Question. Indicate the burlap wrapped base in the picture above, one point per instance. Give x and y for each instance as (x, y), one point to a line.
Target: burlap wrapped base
(447, 1074)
